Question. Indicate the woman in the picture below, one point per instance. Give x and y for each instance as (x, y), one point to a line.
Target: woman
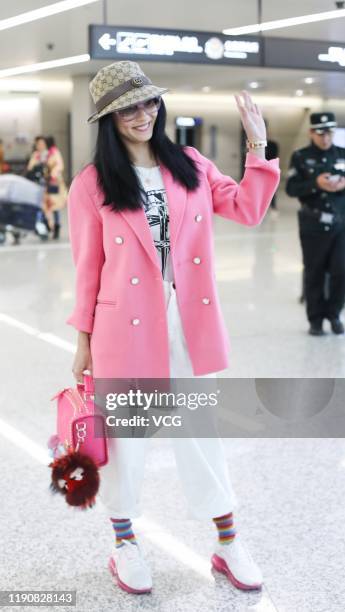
(56, 188)
(4, 167)
(36, 171)
(140, 220)
(36, 167)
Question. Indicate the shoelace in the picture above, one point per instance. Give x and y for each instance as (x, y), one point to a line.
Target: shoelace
(240, 553)
(133, 556)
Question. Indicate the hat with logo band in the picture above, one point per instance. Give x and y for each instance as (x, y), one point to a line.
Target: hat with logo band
(322, 121)
(120, 85)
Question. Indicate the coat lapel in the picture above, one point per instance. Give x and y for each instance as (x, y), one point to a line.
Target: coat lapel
(177, 198)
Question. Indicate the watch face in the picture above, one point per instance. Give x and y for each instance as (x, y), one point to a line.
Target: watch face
(295, 399)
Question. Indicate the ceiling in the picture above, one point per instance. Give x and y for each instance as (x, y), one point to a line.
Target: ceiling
(68, 34)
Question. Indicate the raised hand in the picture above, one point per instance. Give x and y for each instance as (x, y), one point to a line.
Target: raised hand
(251, 117)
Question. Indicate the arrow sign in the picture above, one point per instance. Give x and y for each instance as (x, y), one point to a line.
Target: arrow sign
(156, 44)
(106, 42)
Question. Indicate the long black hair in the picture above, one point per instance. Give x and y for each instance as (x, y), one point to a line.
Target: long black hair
(116, 176)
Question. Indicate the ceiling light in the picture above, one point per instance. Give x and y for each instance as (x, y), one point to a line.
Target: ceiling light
(65, 61)
(286, 23)
(299, 92)
(309, 80)
(45, 11)
(254, 85)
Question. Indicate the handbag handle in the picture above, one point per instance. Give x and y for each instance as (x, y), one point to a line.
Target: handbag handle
(87, 387)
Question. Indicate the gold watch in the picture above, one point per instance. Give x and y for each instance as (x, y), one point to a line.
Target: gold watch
(257, 144)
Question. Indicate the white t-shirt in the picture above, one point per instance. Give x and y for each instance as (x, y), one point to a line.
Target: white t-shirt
(157, 214)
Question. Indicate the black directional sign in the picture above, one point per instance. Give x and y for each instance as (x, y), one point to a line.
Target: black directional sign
(186, 46)
(154, 44)
(311, 54)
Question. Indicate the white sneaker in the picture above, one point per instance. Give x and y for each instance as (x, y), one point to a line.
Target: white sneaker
(237, 564)
(41, 228)
(130, 569)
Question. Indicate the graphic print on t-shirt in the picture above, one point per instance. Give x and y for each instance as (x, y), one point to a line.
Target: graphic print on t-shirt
(156, 210)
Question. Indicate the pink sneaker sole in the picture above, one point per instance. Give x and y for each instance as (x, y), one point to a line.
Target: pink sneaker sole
(122, 585)
(221, 566)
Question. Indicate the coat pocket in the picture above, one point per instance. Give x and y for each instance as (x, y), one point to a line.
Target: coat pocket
(107, 302)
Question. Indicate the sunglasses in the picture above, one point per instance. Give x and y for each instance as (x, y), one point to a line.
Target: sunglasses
(322, 131)
(150, 107)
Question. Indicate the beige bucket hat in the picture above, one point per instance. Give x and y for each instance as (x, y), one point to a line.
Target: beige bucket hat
(118, 86)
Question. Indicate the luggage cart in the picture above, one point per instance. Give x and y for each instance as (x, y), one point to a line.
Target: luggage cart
(21, 208)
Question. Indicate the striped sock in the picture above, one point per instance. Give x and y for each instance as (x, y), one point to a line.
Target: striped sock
(225, 527)
(123, 531)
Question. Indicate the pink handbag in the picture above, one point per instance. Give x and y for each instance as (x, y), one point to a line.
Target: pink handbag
(80, 446)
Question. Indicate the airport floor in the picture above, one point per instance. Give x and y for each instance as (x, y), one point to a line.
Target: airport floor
(290, 491)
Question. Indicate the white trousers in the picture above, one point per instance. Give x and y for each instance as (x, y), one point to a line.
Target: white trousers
(201, 462)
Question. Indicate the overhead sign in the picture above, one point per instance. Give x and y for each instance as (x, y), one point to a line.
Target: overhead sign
(186, 46)
(335, 55)
(155, 44)
(304, 54)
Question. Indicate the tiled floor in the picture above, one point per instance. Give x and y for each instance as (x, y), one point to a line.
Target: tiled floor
(290, 491)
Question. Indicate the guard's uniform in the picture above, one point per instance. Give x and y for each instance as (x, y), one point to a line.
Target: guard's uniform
(321, 227)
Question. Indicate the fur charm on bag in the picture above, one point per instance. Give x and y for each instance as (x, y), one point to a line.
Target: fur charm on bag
(79, 447)
(75, 476)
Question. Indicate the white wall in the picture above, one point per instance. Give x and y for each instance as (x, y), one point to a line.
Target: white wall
(55, 98)
(29, 107)
(83, 134)
(20, 121)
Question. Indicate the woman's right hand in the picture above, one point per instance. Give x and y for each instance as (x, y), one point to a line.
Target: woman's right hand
(82, 360)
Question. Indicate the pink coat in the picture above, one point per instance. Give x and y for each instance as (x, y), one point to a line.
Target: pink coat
(111, 248)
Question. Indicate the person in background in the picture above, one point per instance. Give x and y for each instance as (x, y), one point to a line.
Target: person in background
(56, 189)
(272, 151)
(317, 178)
(4, 167)
(54, 154)
(35, 169)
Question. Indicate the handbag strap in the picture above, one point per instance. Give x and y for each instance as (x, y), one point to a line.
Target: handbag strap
(89, 386)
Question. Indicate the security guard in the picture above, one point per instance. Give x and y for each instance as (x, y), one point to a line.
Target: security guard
(317, 178)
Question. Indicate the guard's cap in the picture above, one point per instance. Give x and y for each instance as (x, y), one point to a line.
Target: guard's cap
(322, 121)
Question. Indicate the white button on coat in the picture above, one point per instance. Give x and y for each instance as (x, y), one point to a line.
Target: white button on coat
(198, 218)
(206, 300)
(118, 239)
(134, 280)
(196, 260)
(135, 321)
